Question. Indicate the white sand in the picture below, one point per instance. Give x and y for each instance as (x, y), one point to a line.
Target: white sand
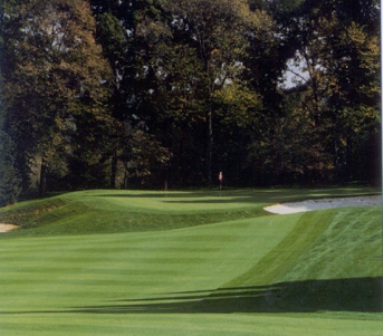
(325, 203)
(4, 227)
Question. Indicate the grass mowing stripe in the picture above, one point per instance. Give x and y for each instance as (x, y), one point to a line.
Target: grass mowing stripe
(324, 271)
(173, 261)
(323, 245)
(278, 261)
(189, 325)
(349, 247)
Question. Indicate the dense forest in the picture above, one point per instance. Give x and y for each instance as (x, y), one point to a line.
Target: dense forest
(157, 93)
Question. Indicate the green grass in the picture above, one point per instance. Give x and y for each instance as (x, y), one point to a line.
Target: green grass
(190, 263)
(105, 211)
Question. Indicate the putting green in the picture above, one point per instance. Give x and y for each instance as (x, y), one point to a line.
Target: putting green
(261, 274)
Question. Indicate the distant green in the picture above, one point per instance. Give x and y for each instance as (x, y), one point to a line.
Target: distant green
(107, 211)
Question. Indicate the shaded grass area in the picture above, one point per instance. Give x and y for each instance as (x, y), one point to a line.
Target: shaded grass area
(361, 295)
(345, 295)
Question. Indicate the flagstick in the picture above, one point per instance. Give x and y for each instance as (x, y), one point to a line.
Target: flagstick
(220, 178)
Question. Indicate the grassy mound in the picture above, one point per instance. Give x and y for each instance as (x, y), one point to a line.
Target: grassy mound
(303, 274)
(108, 211)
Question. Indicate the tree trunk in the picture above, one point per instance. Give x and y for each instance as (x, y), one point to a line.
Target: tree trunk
(126, 177)
(209, 149)
(113, 171)
(43, 178)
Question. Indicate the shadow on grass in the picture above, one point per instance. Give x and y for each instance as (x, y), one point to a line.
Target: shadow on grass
(209, 197)
(359, 295)
(353, 295)
(155, 195)
(192, 197)
(240, 196)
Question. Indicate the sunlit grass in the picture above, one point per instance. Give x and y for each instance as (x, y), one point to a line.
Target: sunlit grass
(190, 263)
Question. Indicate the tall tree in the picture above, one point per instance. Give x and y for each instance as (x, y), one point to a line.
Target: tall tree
(9, 181)
(55, 84)
(218, 30)
(335, 65)
(131, 34)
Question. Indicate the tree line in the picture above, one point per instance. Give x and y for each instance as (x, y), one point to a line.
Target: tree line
(148, 93)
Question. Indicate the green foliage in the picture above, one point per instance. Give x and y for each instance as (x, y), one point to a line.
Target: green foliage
(9, 182)
(54, 81)
(200, 82)
(112, 36)
(238, 105)
(336, 94)
(140, 153)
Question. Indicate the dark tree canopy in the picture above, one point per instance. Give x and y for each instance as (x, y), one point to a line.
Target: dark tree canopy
(108, 93)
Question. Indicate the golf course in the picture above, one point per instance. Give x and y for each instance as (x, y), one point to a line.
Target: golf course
(198, 262)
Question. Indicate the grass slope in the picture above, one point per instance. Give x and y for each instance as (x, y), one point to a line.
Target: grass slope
(304, 274)
(105, 211)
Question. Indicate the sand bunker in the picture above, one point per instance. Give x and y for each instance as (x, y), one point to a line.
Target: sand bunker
(5, 227)
(325, 203)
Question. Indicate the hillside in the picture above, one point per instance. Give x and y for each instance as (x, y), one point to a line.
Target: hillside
(103, 211)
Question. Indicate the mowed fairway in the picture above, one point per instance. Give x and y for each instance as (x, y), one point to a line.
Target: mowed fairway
(190, 263)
